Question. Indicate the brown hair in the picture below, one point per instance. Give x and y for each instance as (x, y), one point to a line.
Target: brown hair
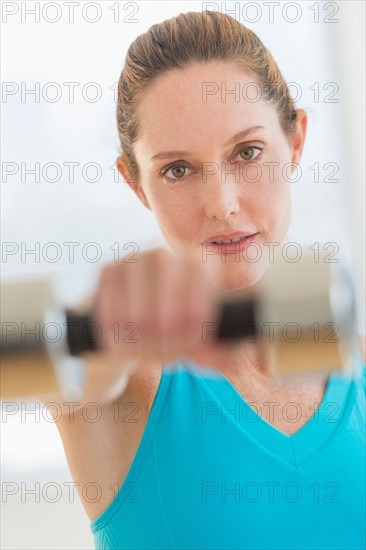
(195, 36)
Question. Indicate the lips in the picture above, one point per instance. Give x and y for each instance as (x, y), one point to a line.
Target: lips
(226, 238)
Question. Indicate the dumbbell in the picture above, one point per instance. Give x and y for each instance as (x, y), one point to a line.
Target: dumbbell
(305, 309)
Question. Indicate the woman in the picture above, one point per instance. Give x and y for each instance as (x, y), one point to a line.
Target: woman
(180, 456)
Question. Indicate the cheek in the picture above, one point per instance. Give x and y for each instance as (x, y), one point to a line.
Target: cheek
(270, 195)
(176, 215)
(278, 204)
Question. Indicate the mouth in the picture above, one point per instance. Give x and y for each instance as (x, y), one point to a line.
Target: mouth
(231, 244)
(229, 238)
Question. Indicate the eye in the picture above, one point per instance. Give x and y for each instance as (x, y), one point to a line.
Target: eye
(178, 171)
(248, 152)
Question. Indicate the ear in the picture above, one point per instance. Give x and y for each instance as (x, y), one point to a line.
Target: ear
(135, 186)
(298, 139)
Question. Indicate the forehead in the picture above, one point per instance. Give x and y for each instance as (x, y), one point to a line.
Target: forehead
(194, 106)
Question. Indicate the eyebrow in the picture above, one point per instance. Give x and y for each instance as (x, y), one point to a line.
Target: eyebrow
(240, 135)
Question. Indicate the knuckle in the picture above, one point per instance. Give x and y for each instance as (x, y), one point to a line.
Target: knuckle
(106, 274)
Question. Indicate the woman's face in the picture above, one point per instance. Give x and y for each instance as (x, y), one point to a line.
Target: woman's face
(203, 180)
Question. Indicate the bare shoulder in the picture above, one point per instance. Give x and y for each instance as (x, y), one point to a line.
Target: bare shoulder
(362, 346)
(100, 443)
(144, 382)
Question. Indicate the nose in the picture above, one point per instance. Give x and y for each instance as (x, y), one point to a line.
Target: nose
(220, 198)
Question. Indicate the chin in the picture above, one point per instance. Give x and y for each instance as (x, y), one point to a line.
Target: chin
(237, 276)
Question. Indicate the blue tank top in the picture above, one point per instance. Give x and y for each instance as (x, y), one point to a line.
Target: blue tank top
(211, 473)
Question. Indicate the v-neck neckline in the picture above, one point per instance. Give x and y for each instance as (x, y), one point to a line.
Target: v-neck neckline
(296, 448)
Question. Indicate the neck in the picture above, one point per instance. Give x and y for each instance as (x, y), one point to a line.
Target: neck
(245, 361)
(254, 361)
(254, 366)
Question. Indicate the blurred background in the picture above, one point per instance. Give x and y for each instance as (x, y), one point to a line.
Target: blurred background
(60, 184)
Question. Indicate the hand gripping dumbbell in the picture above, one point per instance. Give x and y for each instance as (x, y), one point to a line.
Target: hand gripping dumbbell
(305, 309)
